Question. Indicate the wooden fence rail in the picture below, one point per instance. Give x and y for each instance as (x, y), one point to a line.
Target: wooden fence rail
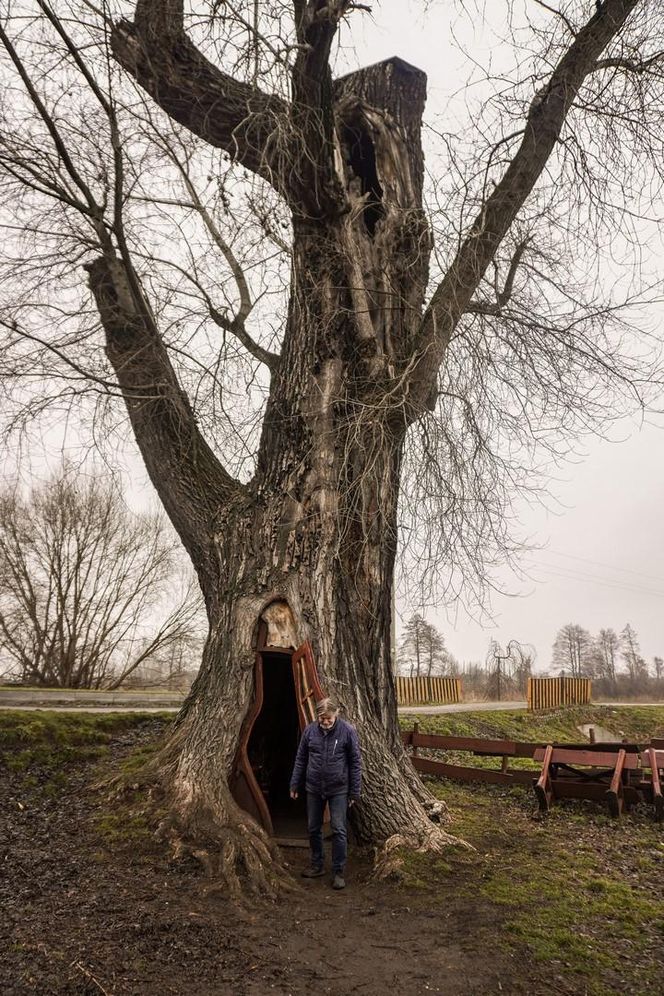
(551, 693)
(418, 691)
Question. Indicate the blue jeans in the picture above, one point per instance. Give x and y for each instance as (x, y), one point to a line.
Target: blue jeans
(338, 808)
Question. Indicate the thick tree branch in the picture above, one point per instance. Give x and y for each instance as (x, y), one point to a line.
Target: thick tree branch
(251, 126)
(316, 24)
(543, 126)
(188, 477)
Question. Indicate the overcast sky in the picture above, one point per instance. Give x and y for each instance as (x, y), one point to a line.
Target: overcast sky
(602, 557)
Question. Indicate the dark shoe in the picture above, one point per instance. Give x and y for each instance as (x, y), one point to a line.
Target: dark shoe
(312, 872)
(338, 882)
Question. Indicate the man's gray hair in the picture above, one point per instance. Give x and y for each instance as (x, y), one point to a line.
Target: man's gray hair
(326, 706)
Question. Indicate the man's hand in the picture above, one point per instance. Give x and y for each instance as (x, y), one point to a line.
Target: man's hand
(293, 794)
(351, 802)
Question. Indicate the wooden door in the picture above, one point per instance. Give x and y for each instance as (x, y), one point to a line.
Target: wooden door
(308, 690)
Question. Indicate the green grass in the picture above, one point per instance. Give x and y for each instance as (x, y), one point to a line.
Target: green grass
(637, 723)
(581, 893)
(66, 729)
(43, 745)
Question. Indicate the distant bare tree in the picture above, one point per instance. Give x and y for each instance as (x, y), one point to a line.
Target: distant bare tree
(508, 670)
(607, 646)
(572, 651)
(658, 666)
(637, 667)
(86, 587)
(422, 650)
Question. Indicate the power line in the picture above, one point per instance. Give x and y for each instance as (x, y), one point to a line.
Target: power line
(584, 577)
(599, 563)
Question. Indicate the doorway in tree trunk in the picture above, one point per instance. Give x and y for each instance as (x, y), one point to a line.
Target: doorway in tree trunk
(286, 688)
(273, 744)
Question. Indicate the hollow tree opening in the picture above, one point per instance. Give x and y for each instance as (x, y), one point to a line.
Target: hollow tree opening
(273, 743)
(361, 161)
(286, 688)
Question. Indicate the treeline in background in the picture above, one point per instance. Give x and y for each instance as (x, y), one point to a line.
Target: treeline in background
(613, 660)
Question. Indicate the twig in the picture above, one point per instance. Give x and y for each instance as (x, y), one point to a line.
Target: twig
(89, 975)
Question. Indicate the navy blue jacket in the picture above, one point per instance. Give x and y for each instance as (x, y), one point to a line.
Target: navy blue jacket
(328, 761)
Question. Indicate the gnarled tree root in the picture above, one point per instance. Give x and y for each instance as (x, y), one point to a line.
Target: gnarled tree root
(237, 855)
(389, 858)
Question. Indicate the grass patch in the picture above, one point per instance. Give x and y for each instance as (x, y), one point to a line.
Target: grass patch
(67, 729)
(635, 723)
(42, 747)
(580, 893)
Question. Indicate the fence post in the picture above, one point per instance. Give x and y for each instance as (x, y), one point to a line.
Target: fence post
(416, 730)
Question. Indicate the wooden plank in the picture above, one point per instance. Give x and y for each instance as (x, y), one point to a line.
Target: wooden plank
(480, 745)
(652, 758)
(467, 773)
(614, 796)
(657, 798)
(542, 786)
(588, 758)
(524, 749)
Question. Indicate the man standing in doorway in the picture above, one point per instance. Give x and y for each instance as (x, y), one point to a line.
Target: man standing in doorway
(329, 763)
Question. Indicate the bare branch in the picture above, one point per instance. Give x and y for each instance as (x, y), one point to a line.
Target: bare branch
(544, 122)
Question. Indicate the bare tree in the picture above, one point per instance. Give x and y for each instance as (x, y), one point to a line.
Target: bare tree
(86, 587)
(637, 667)
(422, 650)
(572, 651)
(193, 162)
(508, 670)
(607, 646)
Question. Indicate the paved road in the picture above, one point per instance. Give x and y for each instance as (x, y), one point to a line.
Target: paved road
(85, 701)
(434, 710)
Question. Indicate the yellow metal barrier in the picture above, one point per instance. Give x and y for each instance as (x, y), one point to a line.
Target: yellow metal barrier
(552, 693)
(435, 690)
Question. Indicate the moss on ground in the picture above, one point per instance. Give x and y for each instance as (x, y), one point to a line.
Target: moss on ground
(66, 729)
(42, 748)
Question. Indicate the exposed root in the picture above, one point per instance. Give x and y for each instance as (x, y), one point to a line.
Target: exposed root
(389, 858)
(237, 858)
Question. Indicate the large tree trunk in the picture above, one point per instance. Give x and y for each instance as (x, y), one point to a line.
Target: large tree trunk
(317, 526)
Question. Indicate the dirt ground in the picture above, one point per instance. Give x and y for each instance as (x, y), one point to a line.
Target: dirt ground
(82, 917)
